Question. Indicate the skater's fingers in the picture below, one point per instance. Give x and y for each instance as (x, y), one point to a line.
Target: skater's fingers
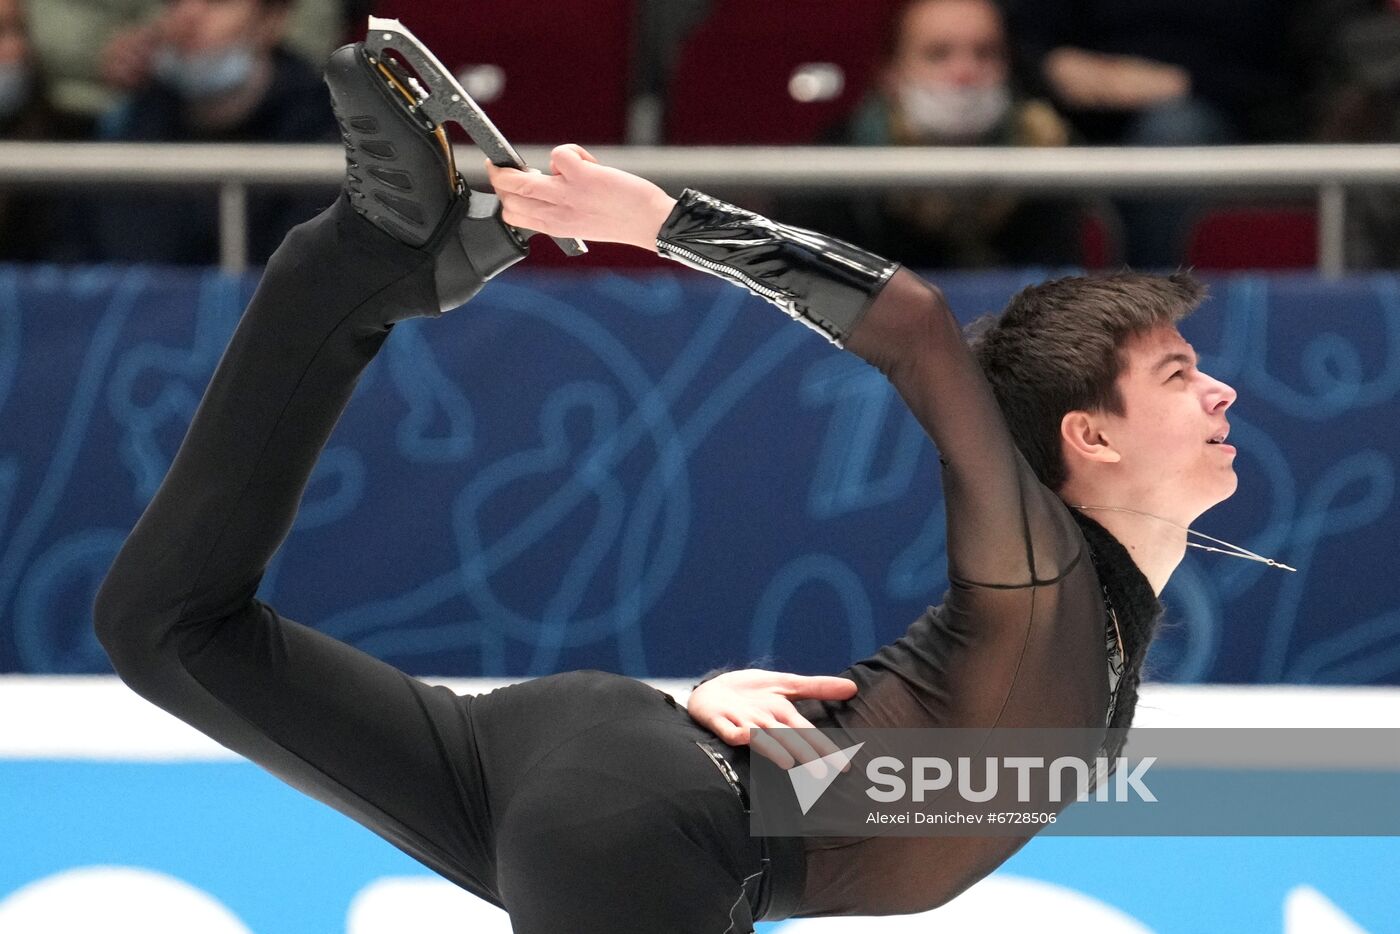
(576, 149)
(515, 207)
(816, 738)
(500, 176)
(819, 687)
(564, 159)
(732, 731)
(795, 743)
(525, 181)
(522, 212)
(727, 727)
(524, 203)
(768, 747)
(531, 185)
(493, 170)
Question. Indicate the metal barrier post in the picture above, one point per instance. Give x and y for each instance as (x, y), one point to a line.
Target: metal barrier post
(1331, 230)
(233, 228)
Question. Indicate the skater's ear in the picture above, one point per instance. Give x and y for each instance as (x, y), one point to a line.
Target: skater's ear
(1084, 439)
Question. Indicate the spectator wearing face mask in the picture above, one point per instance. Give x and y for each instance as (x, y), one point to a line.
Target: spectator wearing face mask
(946, 81)
(220, 75)
(97, 51)
(30, 220)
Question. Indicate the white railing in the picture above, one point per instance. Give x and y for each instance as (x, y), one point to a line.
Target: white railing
(1325, 172)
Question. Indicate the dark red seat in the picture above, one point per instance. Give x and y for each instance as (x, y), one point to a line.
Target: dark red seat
(1101, 238)
(565, 64)
(1272, 237)
(730, 86)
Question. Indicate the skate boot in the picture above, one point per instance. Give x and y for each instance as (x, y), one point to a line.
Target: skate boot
(401, 176)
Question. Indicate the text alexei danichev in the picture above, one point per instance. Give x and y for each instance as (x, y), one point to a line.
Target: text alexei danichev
(957, 817)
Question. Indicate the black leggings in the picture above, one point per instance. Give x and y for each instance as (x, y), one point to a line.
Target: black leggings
(578, 802)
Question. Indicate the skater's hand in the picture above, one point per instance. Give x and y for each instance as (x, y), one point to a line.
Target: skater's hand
(731, 704)
(582, 199)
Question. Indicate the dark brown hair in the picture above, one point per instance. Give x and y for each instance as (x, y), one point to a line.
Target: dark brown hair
(1058, 348)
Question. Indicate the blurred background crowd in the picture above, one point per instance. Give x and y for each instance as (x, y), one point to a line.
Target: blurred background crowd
(693, 72)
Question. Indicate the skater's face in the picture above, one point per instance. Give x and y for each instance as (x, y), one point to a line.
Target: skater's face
(193, 26)
(1160, 453)
(14, 40)
(957, 43)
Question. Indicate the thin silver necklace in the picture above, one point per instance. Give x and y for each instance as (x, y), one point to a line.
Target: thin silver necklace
(1238, 552)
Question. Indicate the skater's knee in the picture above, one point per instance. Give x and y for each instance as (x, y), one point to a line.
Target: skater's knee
(117, 624)
(132, 620)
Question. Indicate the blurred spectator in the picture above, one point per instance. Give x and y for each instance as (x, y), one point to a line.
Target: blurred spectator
(220, 75)
(1162, 73)
(69, 38)
(29, 219)
(947, 81)
(1163, 70)
(1355, 98)
(95, 51)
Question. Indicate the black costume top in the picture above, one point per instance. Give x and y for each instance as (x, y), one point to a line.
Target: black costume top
(1019, 638)
(1019, 641)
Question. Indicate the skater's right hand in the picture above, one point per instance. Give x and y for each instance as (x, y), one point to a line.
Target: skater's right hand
(731, 704)
(582, 199)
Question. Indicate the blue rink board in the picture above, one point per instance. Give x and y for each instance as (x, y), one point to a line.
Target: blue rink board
(283, 864)
(658, 474)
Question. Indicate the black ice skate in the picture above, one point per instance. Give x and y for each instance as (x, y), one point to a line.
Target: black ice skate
(400, 171)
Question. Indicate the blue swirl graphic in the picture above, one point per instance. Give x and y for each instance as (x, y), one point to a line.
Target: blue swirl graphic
(657, 473)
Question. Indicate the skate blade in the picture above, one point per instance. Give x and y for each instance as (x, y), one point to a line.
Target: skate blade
(445, 100)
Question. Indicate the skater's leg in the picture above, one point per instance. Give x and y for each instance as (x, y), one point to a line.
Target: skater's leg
(177, 611)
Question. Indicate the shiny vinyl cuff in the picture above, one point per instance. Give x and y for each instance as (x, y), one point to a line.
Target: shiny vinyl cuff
(825, 283)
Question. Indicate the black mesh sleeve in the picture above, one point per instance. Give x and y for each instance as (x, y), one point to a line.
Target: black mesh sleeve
(1004, 527)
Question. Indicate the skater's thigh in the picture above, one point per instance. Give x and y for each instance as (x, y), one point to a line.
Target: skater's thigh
(386, 749)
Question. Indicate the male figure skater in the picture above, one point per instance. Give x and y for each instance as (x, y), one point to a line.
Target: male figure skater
(586, 801)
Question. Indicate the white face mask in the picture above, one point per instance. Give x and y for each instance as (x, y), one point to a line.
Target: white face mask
(953, 113)
(15, 79)
(205, 74)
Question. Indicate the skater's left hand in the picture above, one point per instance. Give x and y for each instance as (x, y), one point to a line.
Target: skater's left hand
(582, 199)
(732, 704)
